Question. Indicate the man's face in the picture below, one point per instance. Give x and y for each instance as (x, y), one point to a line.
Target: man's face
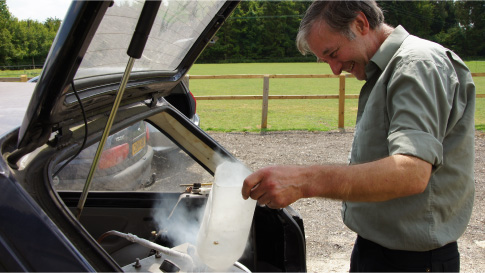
(338, 51)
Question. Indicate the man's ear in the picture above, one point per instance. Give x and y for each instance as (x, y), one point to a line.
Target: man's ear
(360, 24)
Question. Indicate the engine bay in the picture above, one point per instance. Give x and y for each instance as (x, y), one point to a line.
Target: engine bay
(133, 237)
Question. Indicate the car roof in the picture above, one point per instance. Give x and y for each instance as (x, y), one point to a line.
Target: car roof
(88, 55)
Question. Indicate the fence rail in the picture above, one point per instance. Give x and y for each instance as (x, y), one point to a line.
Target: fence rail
(265, 96)
(22, 78)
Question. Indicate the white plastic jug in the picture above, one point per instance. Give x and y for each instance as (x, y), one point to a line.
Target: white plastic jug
(224, 230)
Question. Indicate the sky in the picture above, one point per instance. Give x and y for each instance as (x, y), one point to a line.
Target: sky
(38, 9)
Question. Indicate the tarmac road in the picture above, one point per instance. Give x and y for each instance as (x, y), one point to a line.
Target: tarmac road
(15, 99)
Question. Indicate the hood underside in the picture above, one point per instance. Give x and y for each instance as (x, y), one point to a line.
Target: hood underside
(89, 55)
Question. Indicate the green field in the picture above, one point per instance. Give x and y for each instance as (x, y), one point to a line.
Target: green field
(16, 73)
(302, 114)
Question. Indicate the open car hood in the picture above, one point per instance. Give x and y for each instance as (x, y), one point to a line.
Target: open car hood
(89, 55)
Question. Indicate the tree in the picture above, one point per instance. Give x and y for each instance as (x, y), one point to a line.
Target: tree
(471, 17)
(282, 19)
(415, 16)
(4, 12)
(258, 30)
(266, 30)
(52, 24)
(26, 41)
(6, 47)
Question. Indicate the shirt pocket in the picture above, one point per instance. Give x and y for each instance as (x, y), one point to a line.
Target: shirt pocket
(370, 140)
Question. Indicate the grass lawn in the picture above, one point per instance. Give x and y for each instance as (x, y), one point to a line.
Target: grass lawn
(301, 114)
(16, 73)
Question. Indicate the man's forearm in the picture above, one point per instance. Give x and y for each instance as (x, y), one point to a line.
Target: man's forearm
(381, 180)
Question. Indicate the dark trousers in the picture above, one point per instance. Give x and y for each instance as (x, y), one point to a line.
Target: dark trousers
(368, 256)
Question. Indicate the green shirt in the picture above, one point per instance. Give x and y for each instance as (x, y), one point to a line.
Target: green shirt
(419, 100)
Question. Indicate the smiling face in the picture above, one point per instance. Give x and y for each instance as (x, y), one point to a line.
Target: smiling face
(341, 53)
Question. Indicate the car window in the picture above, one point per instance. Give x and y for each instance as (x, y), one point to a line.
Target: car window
(137, 158)
(174, 169)
(177, 26)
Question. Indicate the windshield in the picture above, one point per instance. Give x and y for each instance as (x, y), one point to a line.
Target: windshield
(177, 26)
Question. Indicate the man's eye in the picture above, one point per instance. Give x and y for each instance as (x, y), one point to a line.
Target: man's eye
(333, 54)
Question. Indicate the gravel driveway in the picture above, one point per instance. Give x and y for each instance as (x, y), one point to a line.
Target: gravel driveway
(329, 241)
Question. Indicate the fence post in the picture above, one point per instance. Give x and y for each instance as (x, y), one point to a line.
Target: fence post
(341, 102)
(23, 78)
(186, 80)
(264, 119)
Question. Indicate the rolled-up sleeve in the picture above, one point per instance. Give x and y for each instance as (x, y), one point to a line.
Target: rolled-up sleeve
(418, 110)
(418, 144)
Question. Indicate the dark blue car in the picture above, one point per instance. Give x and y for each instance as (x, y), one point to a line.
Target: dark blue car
(114, 78)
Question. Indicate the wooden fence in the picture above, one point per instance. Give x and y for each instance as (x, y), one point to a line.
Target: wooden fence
(342, 96)
(22, 78)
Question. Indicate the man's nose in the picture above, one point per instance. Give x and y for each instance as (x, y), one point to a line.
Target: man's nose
(336, 67)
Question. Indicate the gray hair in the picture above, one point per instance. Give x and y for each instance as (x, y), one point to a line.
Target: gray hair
(338, 15)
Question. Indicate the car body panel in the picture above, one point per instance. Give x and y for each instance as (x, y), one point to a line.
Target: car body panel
(24, 222)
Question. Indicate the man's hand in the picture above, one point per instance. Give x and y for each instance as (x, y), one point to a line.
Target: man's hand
(275, 186)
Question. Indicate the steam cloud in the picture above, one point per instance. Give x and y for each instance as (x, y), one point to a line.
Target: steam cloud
(180, 225)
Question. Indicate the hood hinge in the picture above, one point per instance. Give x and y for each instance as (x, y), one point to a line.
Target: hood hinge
(62, 138)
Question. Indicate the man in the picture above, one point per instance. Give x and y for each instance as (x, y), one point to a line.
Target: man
(409, 188)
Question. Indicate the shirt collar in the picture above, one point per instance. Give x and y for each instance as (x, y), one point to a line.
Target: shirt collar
(385, 52)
